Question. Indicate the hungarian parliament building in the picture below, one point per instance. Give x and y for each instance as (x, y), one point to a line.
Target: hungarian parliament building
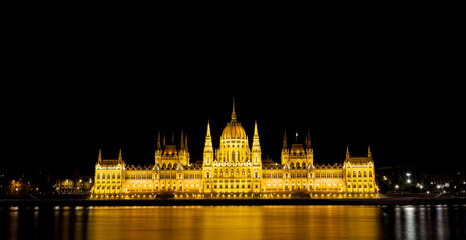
(235, 170)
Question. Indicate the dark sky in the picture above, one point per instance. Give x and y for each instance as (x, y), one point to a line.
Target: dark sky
(388, 85)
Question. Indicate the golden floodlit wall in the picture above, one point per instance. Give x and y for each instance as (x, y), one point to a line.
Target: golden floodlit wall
(234, 170)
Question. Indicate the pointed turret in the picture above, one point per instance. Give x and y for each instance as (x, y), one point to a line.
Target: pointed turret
(256, 132)
(369, 151)
(309, 150)
(119, 155)
(186, 142)
(308, 139)
(285, 144)
(208, 150)
(158, 151)
(163, 141)
(100, 155)
(256, 142)
(256, 147)
(347, 152)
(159, 146)
(182, 141)
(208, 131)
(285, 150)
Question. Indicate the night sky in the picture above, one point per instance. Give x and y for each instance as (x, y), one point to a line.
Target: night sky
(393, 89)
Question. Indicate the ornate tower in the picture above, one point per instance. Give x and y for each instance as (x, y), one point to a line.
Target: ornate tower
(256, 148)
(309, 150)
(285, 150)
(208, 155)
(256, 161)
(158, 151)
(184, 154)
(208, 158)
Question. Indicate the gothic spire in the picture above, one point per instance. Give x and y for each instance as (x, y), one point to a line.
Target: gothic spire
(233, 114)
(285, 144)
(119, 155)
(159, 147)
(208, 130)
(182, 140)
(369, 151)
(308, 139)
(256, 132)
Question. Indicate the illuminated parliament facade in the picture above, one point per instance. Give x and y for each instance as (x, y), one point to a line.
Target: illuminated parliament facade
(234, 170)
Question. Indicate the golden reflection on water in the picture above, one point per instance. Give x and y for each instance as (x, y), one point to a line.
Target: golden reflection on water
(235, 222)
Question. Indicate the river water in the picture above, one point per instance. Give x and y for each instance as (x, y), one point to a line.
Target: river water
(235, 222)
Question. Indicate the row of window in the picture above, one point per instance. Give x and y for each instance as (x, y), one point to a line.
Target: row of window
(360, 186)
(243, 173)
(272, 175)
(233, 186)
(109, 176)
(329, 175)
(297, 164)
(359, 174)
(359, 180)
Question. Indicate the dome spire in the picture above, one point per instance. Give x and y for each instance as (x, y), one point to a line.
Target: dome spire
(233, 114)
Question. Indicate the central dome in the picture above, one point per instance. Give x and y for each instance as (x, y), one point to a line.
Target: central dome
(234, 130)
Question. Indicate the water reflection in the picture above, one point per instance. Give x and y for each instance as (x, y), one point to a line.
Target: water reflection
(234, 222)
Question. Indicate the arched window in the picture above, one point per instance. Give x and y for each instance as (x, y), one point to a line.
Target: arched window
(207, 175)
(354, 173)
(98, 175)
(221, 172)
(298, 165)
(226, 172)
(243, 172)
(108, 175)
(359, 174)
(249, 172)
(215, 172)
(256, 174)
(237, 172)
(365, 174)
(370, 173)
